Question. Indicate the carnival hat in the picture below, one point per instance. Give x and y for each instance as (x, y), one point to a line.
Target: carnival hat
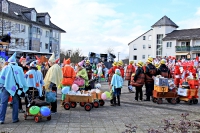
(131, 62)
(33, 64)
(52, 58)
(87, 62)
(149, 60)
(21, 59)
(117, 71)
(120, 63)
(140, 63)
(64, 61)
(68, 61)
(81, 63)
(12, 58)
(163, 61)
(57, 60)
(114, 64)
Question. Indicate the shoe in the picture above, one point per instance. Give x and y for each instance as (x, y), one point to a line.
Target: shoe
(10, 106)
(112, 105)
(118, 104)
(16, 121)
(21, 111)
(1, 122)
(147, 100)
(52, 112)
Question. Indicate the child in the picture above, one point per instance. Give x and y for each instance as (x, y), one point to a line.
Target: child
(116, 84)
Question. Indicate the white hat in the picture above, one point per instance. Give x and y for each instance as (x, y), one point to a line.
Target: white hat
(52, 58)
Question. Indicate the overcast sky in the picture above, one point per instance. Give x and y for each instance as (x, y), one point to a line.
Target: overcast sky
(96, 25)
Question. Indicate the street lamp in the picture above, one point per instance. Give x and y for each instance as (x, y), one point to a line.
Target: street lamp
(118, 56)
(69, 52)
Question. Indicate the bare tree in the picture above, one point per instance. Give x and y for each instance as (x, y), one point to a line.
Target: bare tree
(109, 50)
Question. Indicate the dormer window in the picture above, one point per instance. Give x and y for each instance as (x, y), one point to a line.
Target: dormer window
(33, 15)
(4, 6)
(47, 20)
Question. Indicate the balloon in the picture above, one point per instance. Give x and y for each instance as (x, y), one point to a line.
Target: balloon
(45, 111)
(107, 94)
(75, 87)
(34, 110)
(65, 90)
(103, 96)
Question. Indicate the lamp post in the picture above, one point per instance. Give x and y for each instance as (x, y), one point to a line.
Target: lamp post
(118, 56)
(69, 52)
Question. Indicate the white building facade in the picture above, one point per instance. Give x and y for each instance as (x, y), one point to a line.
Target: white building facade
(31, 32)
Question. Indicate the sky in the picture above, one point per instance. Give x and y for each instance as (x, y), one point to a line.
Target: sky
(97, 25)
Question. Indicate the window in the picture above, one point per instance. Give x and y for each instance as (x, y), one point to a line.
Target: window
(23, 28)
(150, 37)
(144, 46)
(144, 37)
(40, 44)
(169, 44)
(46, 46)
(47, 20)
(4, 6)
(143, 56)
(47, 33)
(159, 38)
(33, 15)
(149, 45)
(134, 57)
(17, 27)
(134, 47)
(183, 44)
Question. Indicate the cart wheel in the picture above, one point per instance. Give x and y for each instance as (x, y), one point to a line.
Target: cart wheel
(154, 99)
(25, 116)
(195, 101)
(67, 106)
(36, 118)
(159, 101)
(190, 102)
(173, 101)
(88, 107)
(82, 104)
(169, 100)
(96, 104)
(178, 100)
(101, 102)
(73, 104)
(49, 118)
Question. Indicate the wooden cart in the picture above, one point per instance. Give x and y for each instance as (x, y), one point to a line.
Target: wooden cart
(37, 117)
(85, 101)
(98, 99)
(191, 98)
(161, 92)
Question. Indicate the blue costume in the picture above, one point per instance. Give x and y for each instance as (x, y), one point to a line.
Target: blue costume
(11, 74)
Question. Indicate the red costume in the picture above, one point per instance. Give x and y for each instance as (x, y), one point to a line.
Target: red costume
(177, 75)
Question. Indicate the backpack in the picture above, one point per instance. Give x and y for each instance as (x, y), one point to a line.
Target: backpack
(152, 69)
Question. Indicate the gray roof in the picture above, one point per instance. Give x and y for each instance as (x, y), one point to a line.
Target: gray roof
(185, 34)
(42, 14)
(164, 21)
(13, 7)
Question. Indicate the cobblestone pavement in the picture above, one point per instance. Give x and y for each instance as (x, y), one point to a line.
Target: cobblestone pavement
(106, 119)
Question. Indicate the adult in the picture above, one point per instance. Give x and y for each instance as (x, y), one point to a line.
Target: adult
(88, 68)
(13, 82)
(163, 70)
(99, 71)
(111, 71)
(34, 79)
(53, 79)
(139, 79)
(129, 71)
(69, 75)
(121, 68)
(150, 72)
(82, 73)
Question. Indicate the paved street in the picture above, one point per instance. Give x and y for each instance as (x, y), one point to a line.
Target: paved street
(106, 119)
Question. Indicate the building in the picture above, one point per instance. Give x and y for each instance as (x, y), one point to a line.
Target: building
(163, 39)
(31, 31)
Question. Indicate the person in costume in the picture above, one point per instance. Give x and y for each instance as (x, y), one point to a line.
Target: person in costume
(82, 73)
(129, 71)
(10, 76)
(137, 79)
(99, 72)
(111, 71)
(117, 84)
(150, 72)
(39, 63)
(163, 70)
(34, 79)
(121, 68)
(53, 79)
(69, 75)
(88, 68)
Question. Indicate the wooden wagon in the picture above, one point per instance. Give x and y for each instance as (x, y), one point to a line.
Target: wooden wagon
(161, 92)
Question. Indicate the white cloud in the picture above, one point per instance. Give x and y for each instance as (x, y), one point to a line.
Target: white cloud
(90, 25)
(198, 12)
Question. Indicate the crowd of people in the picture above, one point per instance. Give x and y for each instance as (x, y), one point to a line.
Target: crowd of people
(19, 79)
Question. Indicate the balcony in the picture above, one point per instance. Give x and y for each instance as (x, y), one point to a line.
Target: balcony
(183, 48)
(187, 48)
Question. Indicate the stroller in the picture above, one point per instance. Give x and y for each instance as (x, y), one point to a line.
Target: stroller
(32, 99)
